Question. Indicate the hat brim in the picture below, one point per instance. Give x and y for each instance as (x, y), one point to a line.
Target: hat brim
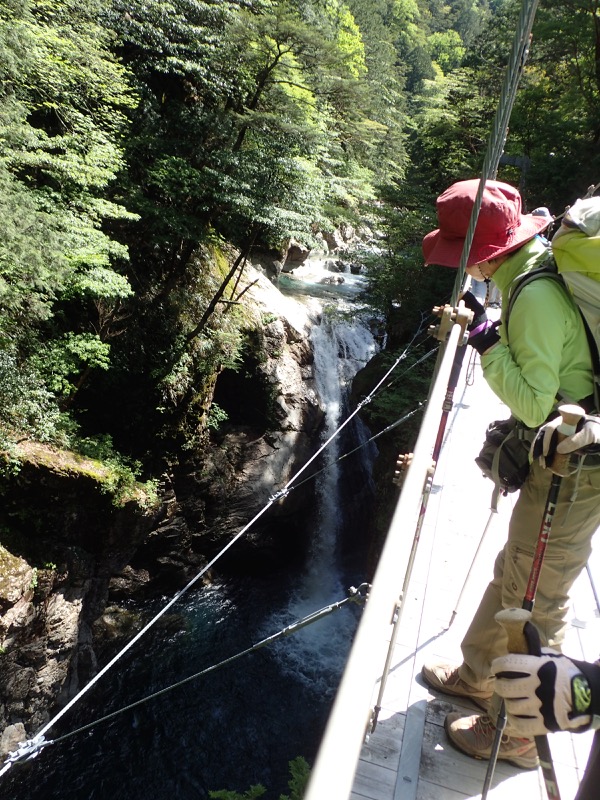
(447, 251)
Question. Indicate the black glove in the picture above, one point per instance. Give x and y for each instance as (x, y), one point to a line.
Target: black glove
(473, 304)
(484, 335)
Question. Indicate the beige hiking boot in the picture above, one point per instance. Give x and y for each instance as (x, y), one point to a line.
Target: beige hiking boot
(474, 736)
(444, 678)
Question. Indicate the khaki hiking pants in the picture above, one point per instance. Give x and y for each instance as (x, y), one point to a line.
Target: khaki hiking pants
(567, 552)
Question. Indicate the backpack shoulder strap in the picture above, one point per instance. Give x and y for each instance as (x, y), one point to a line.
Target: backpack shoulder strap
(547, 270)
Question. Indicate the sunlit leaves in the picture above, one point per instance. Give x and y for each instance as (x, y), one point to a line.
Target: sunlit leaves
(100, 283)
(26, 404)
(32, 261)
(348, 39)
(446, 49)
(64, 98)
(63, 362)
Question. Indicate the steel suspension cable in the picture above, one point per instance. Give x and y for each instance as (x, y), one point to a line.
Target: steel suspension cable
(490, 166)
(385, 430)
(498, 134)
(355, 595)
(331, 776)
(337, 723)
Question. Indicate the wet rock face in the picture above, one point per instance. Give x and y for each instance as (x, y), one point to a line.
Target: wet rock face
(46, 651)
(273, 417)
(296, 254)
(16, 577)
(39, 637)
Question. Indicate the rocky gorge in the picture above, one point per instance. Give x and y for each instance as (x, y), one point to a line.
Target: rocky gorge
(71, 557)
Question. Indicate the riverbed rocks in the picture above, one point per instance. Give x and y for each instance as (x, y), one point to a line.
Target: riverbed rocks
(296, 254)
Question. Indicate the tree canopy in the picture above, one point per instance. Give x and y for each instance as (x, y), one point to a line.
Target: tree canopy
(146, 148)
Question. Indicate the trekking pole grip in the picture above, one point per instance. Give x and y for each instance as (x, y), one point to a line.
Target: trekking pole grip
(513, 621)
(570, 415)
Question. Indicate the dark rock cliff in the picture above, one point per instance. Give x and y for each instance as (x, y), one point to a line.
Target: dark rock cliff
(69, 556)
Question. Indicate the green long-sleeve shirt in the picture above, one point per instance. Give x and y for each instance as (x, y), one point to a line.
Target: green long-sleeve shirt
(546, 350)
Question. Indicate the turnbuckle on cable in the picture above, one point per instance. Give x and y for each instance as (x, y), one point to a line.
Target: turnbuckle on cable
(27, 750)
(360, 594)
(279, 495)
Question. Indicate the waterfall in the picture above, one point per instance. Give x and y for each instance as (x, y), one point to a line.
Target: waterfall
(340, 348)
(316, 654)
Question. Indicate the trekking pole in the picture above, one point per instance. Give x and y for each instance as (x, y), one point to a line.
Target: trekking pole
(493, 511)
(593, 585)
(571, 415)
(448, 400)
(524, 638)
(437, 447)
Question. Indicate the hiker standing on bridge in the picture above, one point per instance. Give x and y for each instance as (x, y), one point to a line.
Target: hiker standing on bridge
(542, 357)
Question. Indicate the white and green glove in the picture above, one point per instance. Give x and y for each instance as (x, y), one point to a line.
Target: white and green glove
(547, 693)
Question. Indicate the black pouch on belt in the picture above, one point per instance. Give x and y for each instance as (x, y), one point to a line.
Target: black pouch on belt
(504, 456)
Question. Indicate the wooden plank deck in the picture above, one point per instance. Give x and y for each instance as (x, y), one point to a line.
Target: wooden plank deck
(408, 756)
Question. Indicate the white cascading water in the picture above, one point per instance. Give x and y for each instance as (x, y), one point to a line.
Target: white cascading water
(341, 347)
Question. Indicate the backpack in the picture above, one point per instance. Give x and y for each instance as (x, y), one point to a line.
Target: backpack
(574, 262)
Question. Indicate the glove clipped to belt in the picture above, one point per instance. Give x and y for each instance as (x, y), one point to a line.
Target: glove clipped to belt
(483, 332)
(547, 693)
(585, 440)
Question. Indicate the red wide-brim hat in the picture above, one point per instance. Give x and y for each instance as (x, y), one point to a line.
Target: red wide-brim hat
(500, 228)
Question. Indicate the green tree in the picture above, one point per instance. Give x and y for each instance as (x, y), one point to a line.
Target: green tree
(63, 98)
(446, 49)
(251, 127)
(385, 106)
(556, 120)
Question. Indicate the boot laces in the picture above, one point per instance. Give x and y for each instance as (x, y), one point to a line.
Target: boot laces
(484, 731)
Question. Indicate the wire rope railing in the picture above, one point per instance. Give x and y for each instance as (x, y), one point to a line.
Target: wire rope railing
(340, 748)
(499, 130)
(355, 595)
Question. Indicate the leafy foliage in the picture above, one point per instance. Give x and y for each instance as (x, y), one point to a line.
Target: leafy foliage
(145, 146)
(62, 115)
(26, 405)
(251, 794)
(299, 771)
(556, 120)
